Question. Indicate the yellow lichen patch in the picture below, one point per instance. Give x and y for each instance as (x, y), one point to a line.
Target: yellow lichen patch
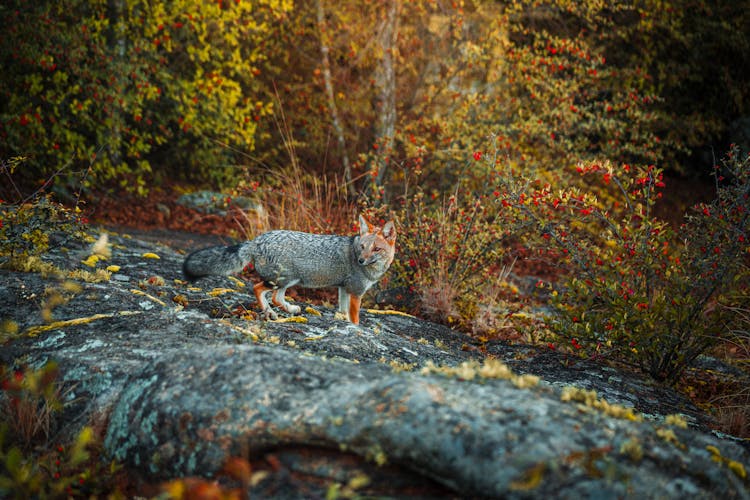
(340, 315)
(570, 393)
(311, 338)
(36, 330)
(91, 260)
(221, 291)
(312, 311)
(389, 311)
(150, 297)
(492, 368)
(150, 255)
(715, 453)
(590, 399)
(525, 381)
(377, 455)
(181, 300)
(8, 330)
(236, 281)
(530, 479)
(253, 332)
(669, 436)
(676, 421)
(113, 268)
(155, 281)
(400, 366)
(737, 467)
(291, 319)
(360, 480)
(33, 264)
(8, 326)
(98, 276)
(633, 449)
(72, 286)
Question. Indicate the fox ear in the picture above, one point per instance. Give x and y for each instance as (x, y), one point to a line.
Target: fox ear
(364, 226)
(389, 232)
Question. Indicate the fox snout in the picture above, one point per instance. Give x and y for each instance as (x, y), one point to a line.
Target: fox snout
(366, 261)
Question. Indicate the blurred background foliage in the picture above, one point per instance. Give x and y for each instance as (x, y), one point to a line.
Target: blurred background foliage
(129, 94)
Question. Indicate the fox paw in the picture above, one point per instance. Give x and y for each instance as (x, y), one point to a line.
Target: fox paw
(293, 309)
(269, 314)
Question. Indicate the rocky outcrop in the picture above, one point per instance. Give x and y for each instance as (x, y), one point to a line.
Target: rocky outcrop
(184, 378)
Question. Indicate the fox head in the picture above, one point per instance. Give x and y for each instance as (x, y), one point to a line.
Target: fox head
(376, 244)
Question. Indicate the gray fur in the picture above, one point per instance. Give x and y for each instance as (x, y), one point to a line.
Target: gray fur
(284, 258)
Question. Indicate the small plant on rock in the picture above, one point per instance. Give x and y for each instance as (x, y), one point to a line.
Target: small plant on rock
(31, 466)
(26, 228)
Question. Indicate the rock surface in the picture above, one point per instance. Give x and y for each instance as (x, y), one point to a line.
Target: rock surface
(183, 380)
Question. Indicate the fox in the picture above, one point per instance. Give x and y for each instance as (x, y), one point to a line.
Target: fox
(284, 258)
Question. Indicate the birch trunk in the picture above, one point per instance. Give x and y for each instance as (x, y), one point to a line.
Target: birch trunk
(328, 79)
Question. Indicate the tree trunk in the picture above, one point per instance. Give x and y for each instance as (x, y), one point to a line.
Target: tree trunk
(117, 43)
(385, 80)
(337, 127)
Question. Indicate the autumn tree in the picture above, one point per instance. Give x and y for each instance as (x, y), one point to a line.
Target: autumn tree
(129, 90)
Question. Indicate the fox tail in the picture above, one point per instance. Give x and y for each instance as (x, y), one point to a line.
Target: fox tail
(217, 261)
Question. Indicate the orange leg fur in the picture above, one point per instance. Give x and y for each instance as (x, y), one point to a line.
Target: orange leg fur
(354, 302)
(259, 290)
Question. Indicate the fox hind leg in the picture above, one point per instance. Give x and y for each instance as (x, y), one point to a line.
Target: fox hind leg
(260, 290)
(278, 298)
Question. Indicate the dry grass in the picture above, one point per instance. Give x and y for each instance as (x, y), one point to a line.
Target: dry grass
(31, 401)
(733, 413)
(293, 198)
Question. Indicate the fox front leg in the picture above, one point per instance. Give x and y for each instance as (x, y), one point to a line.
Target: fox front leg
(344, 302)
(354, 302)
(349, 305)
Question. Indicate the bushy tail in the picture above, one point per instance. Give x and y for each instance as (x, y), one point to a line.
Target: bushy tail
(219, 260)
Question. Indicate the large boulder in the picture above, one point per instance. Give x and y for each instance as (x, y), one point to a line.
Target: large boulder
(183, 379)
